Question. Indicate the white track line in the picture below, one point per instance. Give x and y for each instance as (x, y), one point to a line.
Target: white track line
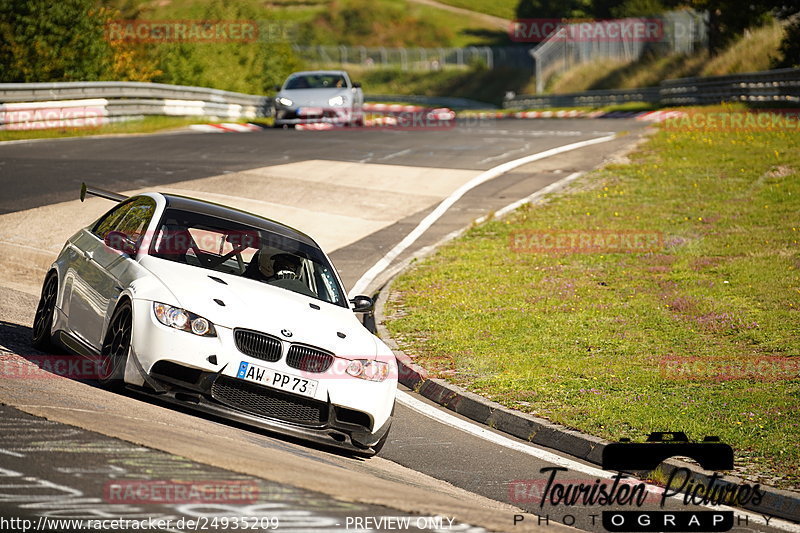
(552, 458)
(12, 454)
(370, 275)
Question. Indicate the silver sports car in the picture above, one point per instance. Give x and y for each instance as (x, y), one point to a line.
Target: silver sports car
(326, 96)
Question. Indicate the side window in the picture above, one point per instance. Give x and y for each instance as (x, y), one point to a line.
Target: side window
(135, 221)
(131, 218)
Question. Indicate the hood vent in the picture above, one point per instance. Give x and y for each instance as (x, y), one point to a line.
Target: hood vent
(218, 280)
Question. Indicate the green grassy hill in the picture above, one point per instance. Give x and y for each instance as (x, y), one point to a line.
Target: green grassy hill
(349, 22)
(256, 67)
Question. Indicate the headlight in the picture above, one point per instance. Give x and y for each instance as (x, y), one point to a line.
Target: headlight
(181, 319)
(368, 369)
(285, 101)
(336, 100)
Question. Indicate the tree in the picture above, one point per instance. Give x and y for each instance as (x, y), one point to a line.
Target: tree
(790, 47)
(727, 19)
(249, 66)
(42, 40)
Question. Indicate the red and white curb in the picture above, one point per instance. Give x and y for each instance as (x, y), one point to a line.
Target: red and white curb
(650, 116)
(225, 127)
(390, 112)
(392, 108)
(660, 116)
(393, 116)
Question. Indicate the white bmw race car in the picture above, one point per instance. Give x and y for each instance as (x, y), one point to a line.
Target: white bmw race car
(225, 312)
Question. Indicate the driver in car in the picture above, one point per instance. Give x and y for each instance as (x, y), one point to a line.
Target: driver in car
(279, 266)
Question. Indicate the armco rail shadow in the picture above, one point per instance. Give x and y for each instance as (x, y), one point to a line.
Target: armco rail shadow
(776, 502)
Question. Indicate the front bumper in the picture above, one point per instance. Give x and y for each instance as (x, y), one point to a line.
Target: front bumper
(201, 373)
(337, 427)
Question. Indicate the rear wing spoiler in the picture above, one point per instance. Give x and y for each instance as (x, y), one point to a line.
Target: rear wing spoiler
(102, 193)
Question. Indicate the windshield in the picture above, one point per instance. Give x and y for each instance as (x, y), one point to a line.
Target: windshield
(254, 253)
(316, 81)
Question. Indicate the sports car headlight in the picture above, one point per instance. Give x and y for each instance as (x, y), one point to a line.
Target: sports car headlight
(368, 369)
(181, 319)
(336, 100)
(285, 101)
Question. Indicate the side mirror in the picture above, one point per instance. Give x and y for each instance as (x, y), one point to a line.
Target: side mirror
(356, 85)
(362, 304)
(277, 87)
(116, 240)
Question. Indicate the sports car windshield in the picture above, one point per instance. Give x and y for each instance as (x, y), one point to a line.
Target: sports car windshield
(316, 81)
(255, 253)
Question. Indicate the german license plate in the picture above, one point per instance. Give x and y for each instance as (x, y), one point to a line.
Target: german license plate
(309, 111)
(276, 380)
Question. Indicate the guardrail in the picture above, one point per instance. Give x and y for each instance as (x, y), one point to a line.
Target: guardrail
(768, 87)
(430, 101)
(584, 99)
(77, 104)
(419, 59)
(86, 104)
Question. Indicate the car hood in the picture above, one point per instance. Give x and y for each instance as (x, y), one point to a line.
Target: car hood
(258, 306)
(314, 97)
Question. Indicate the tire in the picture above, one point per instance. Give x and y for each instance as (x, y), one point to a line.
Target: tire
(45, 313)
(117, 346)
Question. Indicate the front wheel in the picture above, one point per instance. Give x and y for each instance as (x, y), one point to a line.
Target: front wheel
(116, 346)
(45, 313)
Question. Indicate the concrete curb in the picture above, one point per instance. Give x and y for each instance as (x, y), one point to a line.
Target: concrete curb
(776, 502)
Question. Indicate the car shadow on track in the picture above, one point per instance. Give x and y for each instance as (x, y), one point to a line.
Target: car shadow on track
(17, 338)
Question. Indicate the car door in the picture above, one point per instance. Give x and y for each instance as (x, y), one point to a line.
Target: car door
(102, 272)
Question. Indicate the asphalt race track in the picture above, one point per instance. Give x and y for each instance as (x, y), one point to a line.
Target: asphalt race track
(359, 192)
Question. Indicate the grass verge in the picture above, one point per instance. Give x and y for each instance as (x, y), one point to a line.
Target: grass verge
(587, 339)
(145, 125)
